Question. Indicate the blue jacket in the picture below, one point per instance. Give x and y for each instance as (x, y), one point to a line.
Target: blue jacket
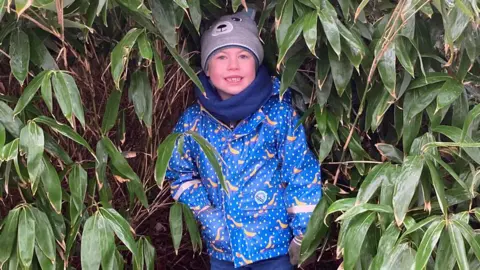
(272, 177)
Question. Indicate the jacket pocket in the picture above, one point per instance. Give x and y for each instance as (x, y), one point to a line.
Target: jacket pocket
(262, 199)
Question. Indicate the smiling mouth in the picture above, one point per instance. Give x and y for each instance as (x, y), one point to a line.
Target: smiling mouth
(233, 79)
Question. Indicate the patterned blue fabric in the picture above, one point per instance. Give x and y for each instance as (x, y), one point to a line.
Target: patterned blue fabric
(272, 177)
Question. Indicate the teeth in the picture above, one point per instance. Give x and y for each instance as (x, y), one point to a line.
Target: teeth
(233, 79)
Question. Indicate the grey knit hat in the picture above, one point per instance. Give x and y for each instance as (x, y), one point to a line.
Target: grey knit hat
(232, 30)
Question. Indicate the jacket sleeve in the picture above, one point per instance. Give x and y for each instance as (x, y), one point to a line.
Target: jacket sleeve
(301, 174)
(186, 187)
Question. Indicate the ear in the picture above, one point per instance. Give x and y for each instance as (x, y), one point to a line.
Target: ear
(207, 72)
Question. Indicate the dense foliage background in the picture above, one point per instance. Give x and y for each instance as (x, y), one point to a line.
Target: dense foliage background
(389, 92)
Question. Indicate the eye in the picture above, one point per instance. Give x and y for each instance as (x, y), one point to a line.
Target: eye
(236, 19)
(221, 57)
(244, 56)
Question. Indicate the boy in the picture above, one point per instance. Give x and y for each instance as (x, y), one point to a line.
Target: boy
(272, 177)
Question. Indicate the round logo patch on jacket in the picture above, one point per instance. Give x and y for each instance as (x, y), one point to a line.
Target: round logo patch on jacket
(261, 197)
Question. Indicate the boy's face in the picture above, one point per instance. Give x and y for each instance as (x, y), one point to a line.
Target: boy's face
(231, 70)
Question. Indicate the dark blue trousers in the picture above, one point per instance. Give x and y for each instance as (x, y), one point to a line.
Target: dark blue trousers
(277, 263)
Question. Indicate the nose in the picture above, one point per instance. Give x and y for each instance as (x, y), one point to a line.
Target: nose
(233, 63)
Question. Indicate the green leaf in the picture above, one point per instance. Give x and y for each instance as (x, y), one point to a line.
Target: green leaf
(12, 124)
(326, 145)
(469, 235)
(467, 125)
(44, 236)
(195, 13)
(321, 118)
(292, 35)
(386, 67)
(121, 165)
(32, 141)
(310, 31)
(402, 257)
(418, 99)
(121, 53)
(410, 131)
(341, 71)
(77, 182)
(159, 70)
(63, 96)
(149, 253)
(385, 245)
(429, 241)
(353, 40)
(29, 92)
(8, 235)
(19, 55)
(136, 6)
(291, 67)
(450, 170)
(283, 16)
(140, 93)
(405, 186)
(372, 182)
(3, 136)
(51, 183)
(364, 207)
(449, 92)
(75, 99)
(111, 111)
(192, 226)
(121, 228)
(458, 246)
(39, 54)
(403, 51)
(26, 236)
(331, 30)
(430, 78)
(90, 244)
(107, 243)
(145, 46)
(323, 85)
(444, 259)
(390, 152)
(316, 230)
(10, 150)
(176, 225)
(355, 236)
(439, 187)
(46, 91)
(45, 263)
(164, 153)
(340, 205)
(212, 156)
(64, 130)
(164, 17)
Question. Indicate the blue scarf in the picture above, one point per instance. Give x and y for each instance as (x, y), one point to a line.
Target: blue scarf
(240, 106)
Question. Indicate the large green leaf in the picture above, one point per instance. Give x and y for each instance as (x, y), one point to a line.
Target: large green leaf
(9, 151)
(293, 33)
(340, 205)
(386, 67)
(46, 90)
(11, 124)
(51, 183)
(19, 55)
(164, 153)
(444, 259)
(454, 134)
(39, 54)
(316, 230)
(283, 16)
(469, 235)
(77, 182)
(121, 228)
(355, 236)
(159, 69)
(8, 235)
(33, 142)
(386, 245)
(176, 225)
(44, 237)
(3, 135)
(372, 182)
(291, 67)
(458, 246)
(364, 207)
(439, 186)
(342, 70)
(429, 241)
(331, 30)
(405, 186)
(390, 152)
(107, 243)
(63, 96)
(26, 236)
(90, 244)
(467, 125)
(192, 226)
(75, 99)
(140, 93)
(111, 111)
(310, 31)
(145, 46)
(164, 17)
(29, 92)
(402, 257)
(121, 53)
(449, 92)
